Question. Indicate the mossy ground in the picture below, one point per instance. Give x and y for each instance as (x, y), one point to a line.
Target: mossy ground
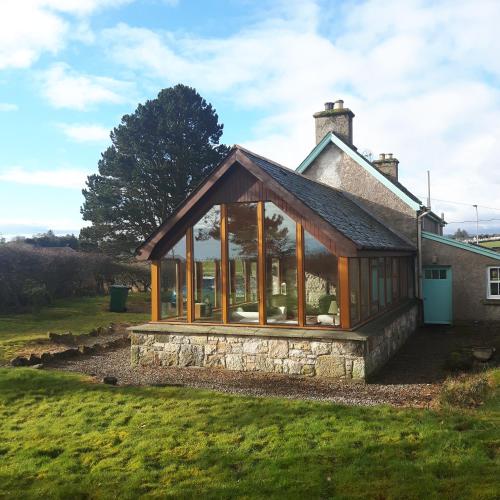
(62, 436)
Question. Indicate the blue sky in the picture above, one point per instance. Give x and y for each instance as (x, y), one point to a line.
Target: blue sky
(422, 78)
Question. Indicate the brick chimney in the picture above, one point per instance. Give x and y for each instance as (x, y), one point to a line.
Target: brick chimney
(388, 165)
(335, 118)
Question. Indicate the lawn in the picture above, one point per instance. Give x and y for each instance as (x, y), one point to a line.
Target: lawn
(490, 244)
(79, 315)
(62, 436)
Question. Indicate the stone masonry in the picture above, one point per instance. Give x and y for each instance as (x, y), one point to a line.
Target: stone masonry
(320, 357)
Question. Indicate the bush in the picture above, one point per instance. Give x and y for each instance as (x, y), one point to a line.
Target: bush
(32, 276)
(466, 391)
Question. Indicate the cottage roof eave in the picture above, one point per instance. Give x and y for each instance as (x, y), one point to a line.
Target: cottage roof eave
(462, 246)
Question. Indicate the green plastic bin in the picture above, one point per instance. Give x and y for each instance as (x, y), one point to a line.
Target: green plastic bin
(118, 298)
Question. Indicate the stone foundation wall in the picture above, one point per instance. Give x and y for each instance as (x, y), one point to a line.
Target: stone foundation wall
(393, 334)
(325, 358)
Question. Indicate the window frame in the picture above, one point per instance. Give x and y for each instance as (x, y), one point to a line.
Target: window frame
(346, 279)
(489, 281)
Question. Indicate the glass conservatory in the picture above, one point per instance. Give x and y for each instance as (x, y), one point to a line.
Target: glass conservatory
(250, 263)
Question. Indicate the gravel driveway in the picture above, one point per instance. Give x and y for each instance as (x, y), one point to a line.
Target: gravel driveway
(117, 363)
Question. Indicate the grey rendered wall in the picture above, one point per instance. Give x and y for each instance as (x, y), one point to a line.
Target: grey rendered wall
(469, 280)
(335, 168)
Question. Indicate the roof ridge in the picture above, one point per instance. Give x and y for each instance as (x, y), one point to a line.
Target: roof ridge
(332, 137)
(245, 150)
(289, 170)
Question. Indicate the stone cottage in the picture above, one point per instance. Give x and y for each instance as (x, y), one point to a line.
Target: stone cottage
(315, 271)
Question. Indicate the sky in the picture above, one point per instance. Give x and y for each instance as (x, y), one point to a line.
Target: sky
(422, 77)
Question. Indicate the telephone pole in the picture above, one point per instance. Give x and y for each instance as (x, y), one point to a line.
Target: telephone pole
(477, 225)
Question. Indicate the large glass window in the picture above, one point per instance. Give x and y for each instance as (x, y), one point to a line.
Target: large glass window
(388, 280)
(281, 266)
(321, 283)
(374, 281)
(395, 279)
(365, 288)
(354, 290)
(403, 277)
(411, 276)
(173, 282)
(381, 282)
(375, 284)
(243, 250)
(206, 269)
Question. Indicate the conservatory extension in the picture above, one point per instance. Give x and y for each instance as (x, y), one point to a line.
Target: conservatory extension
(264, 269)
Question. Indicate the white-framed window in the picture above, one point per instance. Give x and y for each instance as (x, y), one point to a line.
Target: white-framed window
(493, 279)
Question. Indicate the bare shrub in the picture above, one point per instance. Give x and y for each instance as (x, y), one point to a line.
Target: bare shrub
(466, 391)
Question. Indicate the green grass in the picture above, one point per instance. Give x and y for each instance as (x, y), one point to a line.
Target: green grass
(490, 244)
(79, 315)
(64, 437)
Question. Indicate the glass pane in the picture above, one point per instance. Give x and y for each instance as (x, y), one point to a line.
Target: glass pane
(388, 279)
(435, 274)
(395, 279)
(442, 274)
(207, 276)
(494, 273)
(411, 277)
(365, 288)
(242, 242)
(321, 277)
(281, 266)
(381, 282)
(354, 289)
(403, 277)
(494, 288)
(428, 274)
(374, 285)
(173, 282)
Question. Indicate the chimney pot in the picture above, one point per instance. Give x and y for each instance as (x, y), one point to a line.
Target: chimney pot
(335, 118)
(388, 165)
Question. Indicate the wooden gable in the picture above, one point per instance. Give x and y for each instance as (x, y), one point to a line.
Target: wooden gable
(239, 180)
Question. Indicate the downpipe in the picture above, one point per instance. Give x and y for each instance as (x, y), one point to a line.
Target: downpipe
(420, 293)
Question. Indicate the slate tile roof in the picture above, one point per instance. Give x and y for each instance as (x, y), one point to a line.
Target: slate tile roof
(334, 206)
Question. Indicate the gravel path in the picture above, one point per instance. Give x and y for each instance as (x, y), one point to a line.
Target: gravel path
(117, 363)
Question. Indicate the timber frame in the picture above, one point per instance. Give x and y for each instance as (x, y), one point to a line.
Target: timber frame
(240, 180)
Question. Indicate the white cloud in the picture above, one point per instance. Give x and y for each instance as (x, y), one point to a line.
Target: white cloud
(422, 79)
(7, 106)
(81, 132)
(66, 88)
(29, 28)
(70, 178)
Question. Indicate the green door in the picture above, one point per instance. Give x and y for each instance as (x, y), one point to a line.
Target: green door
(437, 288)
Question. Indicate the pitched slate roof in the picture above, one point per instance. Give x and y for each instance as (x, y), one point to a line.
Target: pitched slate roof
(334, 206)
